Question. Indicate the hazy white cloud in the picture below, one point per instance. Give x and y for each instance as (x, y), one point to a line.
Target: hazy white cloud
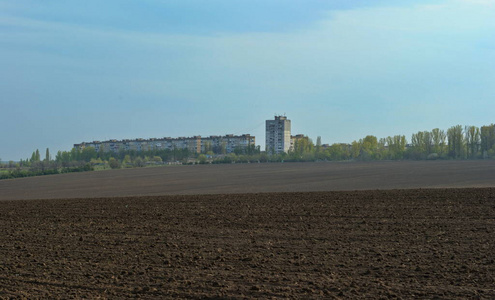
(367, 45)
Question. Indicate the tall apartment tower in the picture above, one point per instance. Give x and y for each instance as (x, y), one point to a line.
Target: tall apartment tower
(278, 135)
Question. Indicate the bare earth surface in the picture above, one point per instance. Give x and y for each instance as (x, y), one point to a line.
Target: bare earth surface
(361, 244)
(253, 178)
(372, 244)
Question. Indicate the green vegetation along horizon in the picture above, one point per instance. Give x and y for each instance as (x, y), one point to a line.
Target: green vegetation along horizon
(458, 142)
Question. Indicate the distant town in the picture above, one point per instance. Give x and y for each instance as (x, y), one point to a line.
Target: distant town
(278, 140)
(457, 142)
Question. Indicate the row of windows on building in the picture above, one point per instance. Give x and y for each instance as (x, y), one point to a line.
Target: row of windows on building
(196, 144)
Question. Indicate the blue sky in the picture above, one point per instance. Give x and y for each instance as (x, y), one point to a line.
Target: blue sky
(73, 71)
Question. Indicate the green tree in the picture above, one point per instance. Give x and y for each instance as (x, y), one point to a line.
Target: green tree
(138, 162)
(113, 163)
(253, 150)
(47, 155)
(396, 146)
(355, 149)
(202, 159)
(38, 157)
(438, 138)
(422, 145)
(63, 157)
(87, 154)
(127, 160)
(334, 152)
(455, 142)
(35, 157)
(96, 161)
(208, 147)
(303, 149)
(472, 137)
(487, 139)
(264, 157)
(369, 147)
(382, 149)
(223, 148)
(75, 154)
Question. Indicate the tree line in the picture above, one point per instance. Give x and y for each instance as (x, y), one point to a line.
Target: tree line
(36, 166)
(457, 142)
(88, 159)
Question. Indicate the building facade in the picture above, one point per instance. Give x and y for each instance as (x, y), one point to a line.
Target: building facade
(196, 144)
(294, 139)
(278, 135)
(228, 143)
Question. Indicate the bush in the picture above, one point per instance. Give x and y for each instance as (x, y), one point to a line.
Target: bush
(432, 156)
(202, 159)
(114, 163)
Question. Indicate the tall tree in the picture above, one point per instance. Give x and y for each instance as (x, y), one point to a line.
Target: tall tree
(487, 140)
(75, 154)
(455, 138)
(369, 147)
(35, 157)
(438, 138)
(421, 143)
(47, 155)
(396, 146)
(472, 141)
(303, 145)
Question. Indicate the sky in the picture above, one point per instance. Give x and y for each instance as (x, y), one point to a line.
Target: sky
(74, 71)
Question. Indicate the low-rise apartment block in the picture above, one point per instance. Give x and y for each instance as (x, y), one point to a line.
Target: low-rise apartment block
(228, 143)
(195, 144)
(297, 138)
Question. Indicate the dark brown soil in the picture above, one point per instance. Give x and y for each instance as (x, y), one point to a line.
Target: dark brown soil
(362, 244)
(254, 178)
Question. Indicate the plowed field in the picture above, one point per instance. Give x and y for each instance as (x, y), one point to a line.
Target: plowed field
(254, 178)
(363, 244)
